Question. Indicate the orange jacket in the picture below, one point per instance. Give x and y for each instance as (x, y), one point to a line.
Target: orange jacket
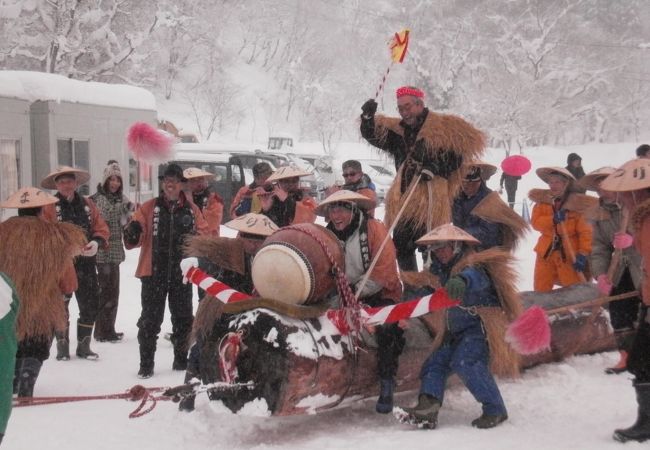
(385, 271)
(213, 214)
(578, 230)
(144, 215)
(243, 192)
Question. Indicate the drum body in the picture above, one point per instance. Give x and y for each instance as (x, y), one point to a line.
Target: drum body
(294, 265)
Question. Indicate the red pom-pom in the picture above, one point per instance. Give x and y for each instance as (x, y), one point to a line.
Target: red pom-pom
(530, 333)
(149, 144)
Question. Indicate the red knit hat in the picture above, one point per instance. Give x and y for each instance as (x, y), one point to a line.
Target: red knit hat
(409, 90)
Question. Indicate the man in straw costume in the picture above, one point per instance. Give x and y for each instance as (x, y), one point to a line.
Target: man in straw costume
(471, 335)
(632, 184)
(362, 238)
(159, 227)
(209, 202)
(565, 241)
(287, 204)
(482, 213)
(82, 211)
(231, 259)
(41, 287)
(8, 312)
(426, 146)
(613, 255)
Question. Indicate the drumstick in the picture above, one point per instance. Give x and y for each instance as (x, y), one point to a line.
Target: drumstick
(618, 252)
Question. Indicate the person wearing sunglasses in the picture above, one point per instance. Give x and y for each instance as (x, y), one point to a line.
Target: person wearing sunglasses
(355, 180)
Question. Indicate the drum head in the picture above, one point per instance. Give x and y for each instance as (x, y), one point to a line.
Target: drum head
(281, 272)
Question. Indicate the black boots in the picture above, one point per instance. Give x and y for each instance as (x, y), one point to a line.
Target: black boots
(425, 413)
(640, 431)
(147, 346)
(489, 420)
(25, 376)
(385, 401)
(84, 333)
(63, 344)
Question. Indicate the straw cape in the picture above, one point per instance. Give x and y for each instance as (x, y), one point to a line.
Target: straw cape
(344, 195)
(51, 250)
(28, 197)
(493, 209)
(431, 201)
(80, 175)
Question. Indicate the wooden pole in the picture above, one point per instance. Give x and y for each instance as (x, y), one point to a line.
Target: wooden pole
(365, 278)
(570, 250)
(594, 303)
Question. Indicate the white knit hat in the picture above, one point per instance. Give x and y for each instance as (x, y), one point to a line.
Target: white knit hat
(113, 168)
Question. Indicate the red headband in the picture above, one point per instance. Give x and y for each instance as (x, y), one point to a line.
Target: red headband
(407, 90)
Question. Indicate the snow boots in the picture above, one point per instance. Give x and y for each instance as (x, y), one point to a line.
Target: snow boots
(640, 431)
(84, 333)
(147, 347)
(489, 420)
(385, 401)
(63, 344)
(424, 414)
(25, 375)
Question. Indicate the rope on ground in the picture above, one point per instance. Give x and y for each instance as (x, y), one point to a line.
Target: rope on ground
(136, 393)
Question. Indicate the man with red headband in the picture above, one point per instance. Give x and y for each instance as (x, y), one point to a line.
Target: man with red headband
(428, 147)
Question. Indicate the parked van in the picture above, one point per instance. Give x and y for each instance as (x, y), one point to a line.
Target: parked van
(228, 170)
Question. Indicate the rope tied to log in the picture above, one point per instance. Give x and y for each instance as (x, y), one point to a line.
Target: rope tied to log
(136, 393)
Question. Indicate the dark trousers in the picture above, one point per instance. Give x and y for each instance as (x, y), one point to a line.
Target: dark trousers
(623, 314)
(35, 347)
(511, 193)
(638, 362)
(390, 341)
(155, 290)
(108, 276)
(404, 237)
(87, 294)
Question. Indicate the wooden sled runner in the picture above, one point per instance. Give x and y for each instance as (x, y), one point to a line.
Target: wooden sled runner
(305, 365)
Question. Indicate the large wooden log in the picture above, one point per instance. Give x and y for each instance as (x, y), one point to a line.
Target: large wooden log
(305, 366)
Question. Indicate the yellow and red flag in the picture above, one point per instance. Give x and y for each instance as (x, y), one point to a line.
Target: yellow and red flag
(398, 45)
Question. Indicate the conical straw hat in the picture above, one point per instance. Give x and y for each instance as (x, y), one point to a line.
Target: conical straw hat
(545, 172)
(28, 197)
(80, 175)
(287, 172)
(195, 172)
(631, 176)
(591, 181)
(344, 195)
(487, 169)
(253, 223)
(446, 232)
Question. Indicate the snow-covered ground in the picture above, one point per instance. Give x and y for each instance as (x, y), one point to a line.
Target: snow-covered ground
(568, 405)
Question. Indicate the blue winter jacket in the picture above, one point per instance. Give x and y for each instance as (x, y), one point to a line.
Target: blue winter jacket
(488, 233)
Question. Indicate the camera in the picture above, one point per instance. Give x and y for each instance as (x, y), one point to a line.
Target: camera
(268, 187)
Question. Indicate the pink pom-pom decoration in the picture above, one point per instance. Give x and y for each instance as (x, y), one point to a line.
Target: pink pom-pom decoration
(149, 144)
(530, 333)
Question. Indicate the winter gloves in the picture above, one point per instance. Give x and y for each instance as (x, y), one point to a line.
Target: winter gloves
(559, 216)
(580, 264)
(455, 287)
(622, 240)
(369, 109)
(132, 233)
(90, 249)
(603, 283)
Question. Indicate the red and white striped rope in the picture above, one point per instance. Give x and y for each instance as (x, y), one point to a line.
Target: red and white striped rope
(369, 315)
